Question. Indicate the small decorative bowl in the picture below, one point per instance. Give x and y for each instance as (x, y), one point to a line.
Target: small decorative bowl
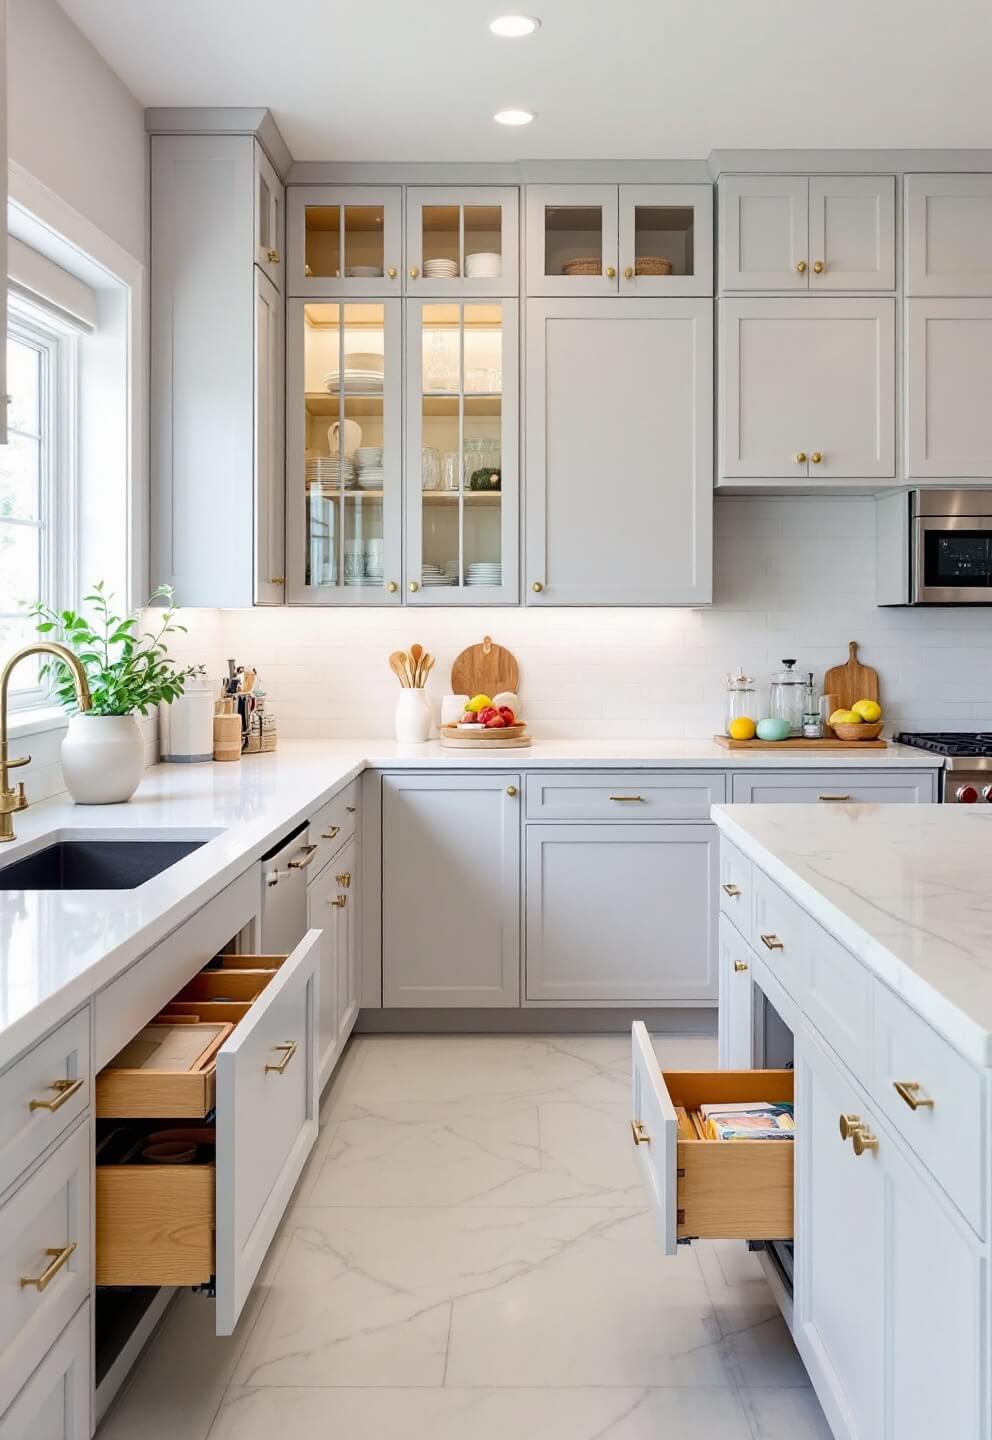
(858, 732)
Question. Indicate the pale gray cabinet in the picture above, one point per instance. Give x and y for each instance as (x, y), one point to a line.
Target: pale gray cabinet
(270, 443)
(619, 452)
(451, 890)
(807, 389)
(270, 220)
(572, 239)
(216, 377)
(736, 1004)
(344, 240)
(4, 397)
(949, 234)
(948, 362)
(815, 234)
(621, 913)
(826, 787)
(475, 227)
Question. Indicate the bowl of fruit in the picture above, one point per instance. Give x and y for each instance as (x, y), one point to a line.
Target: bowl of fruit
(488, 718)
(862, 722)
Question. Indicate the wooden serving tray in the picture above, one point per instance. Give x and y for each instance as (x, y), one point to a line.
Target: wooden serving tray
(511, 737)
(800, 744)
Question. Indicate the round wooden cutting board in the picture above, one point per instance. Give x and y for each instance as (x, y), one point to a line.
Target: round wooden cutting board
(485, 669)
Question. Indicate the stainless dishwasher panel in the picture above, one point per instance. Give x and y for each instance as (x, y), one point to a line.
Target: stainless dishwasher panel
(284, 893)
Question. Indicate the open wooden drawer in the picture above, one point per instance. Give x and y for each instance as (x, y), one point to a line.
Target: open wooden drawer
(186, 1224)
(705, 1189)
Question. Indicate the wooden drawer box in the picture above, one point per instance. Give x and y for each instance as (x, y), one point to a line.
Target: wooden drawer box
(624, 796)
(41, 1095)
(705, 1189)
(156, 1222)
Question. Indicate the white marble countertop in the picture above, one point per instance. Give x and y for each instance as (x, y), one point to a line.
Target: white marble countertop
(57, 948)
(906, 888)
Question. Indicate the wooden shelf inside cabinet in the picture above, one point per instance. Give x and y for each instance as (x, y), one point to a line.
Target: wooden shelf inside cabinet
(322, 402)
(483, 498)
(436, 404)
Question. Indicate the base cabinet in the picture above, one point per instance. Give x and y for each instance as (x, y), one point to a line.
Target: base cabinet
(55, 1403)
(332, 904)
(618, 913)
(735, 1016)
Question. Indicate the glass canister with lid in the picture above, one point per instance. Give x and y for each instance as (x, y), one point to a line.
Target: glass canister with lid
(786, 697)
(740, 699)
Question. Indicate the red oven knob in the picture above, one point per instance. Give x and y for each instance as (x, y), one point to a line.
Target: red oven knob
(966, 795)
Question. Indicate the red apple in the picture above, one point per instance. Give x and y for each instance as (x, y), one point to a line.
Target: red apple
(469, 718)
(486, 713)
(496, 721)
(507, 714)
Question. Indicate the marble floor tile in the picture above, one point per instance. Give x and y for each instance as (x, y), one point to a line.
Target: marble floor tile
(149, 1412)
(740, 1293)
(763, 1354)
(454, 1414)
(784, 1415)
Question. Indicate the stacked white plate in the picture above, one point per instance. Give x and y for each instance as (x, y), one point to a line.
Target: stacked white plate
(331, 470)
(431, 575)
(483, 265)
(484, 572)
(363, 371)
(440, 269)
(371, 473)
(363, 272)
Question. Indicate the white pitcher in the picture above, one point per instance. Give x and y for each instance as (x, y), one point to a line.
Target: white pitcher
(352, 437)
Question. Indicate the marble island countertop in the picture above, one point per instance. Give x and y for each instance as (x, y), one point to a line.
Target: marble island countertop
(57, 948)
(906, 888)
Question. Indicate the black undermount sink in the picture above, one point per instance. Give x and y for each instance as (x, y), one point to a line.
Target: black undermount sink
(94, 864)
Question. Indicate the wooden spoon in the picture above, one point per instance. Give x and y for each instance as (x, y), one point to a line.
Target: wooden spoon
(416, 651)
(400, 665)
(426, 666)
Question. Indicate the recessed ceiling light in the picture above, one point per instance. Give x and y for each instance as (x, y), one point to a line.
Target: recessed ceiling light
(513, 117)
(514, 27)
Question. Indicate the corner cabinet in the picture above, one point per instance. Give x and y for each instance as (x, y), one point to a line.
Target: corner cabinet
(619, 457)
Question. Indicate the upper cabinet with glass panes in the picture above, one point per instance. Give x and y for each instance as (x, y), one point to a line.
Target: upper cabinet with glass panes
(344, 240)
(461, 241)
(620, 240)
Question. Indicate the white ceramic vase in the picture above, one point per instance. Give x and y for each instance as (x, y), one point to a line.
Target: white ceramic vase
(103, 758)
(413, 717)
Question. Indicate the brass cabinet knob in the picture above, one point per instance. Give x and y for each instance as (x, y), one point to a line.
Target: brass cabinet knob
(863, 1140)
(611, 272)
(801, 267)
(817, 267)
(414, 272)
(414, 587)
(800, 457)
(272, 256)
(848, 1125)
(344, 879)
(277, 579)
(816, 457)
(628, 272)
(391, 272)
(511, 790)
(537, 587)
(391, 587)
(740, 966)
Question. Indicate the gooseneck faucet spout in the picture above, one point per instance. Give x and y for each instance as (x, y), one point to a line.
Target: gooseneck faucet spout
(13, 800)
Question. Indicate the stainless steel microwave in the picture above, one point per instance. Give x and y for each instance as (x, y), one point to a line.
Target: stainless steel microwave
(935, 548)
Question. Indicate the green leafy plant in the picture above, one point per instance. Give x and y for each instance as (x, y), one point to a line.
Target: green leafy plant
(126, 670)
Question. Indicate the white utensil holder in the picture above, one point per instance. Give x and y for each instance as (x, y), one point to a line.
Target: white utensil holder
(413, 717)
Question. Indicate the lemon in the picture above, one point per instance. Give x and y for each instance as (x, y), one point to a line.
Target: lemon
(845, 717)
(869, 710)
(742, 728)
(478, 702)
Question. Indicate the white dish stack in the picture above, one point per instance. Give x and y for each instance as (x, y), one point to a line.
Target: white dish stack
(363, 272)
(363, 373)
(483, 265)
(371, 474)
(484, 572)
(440, 269)
(331, 472)
(432, 575)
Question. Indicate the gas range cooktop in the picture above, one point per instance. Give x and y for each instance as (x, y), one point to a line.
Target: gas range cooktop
(968, 754)
(960, 744)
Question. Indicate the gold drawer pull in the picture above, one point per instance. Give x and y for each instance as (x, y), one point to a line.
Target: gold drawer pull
(344, 879)
(290, 1050)
(351, 809)
(740, 966)
(339, 902)
(732, 890)
(66, 1089)
(863, 1140)
(306, 857)
(628, 799)
(833, 797)
(330, 832)
(772, 942)
(848, 1125)
(910, 1092)
(42, 1281)
(641, 1136)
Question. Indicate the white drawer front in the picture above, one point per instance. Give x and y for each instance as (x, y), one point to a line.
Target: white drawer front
(655, 1130)
(948, 1129)
(55, 1402)
(736, 886)
(40, 1096)
(837, 997)
(832, 787)
(779, 931)
(41, 1220)
(626, 796)
(266, 1122)
(333, 824)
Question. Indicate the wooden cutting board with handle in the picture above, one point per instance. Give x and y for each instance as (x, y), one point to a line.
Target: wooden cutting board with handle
(484, 669)
(852, 681)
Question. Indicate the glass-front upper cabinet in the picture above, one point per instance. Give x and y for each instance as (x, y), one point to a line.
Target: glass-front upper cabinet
(344, 240)
(461, 241)
(461, 465)
(343, 463)
(627, 239)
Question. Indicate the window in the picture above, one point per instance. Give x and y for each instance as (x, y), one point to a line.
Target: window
(37, 490)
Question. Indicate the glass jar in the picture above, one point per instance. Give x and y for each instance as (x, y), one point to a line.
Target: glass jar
(740, 699)
(787, 696)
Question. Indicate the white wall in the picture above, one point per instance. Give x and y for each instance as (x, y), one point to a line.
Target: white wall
(73, 124)
(794, 577)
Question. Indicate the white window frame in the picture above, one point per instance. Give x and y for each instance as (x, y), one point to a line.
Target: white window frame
(58, 515)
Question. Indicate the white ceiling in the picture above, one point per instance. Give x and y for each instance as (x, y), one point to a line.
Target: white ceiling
(420, 79)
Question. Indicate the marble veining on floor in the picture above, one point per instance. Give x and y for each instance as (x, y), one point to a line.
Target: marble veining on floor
(469, 1256)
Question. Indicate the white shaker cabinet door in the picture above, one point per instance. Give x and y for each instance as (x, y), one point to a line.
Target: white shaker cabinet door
(949, 234)
(948, 362)
(346, 888)
(55, 1402)
(270, 443)
(807, 389)
(764, 229)
(852, 232)
(621, 913)
(324, 915)
(451, 890)
(619, 507)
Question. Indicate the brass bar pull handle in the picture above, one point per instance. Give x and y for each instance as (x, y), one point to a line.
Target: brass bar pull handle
(339, 902)
(344, 878)
(289, 1049)
(909, 1090)
(732, 890)
(628, 799)
(306, 857)
(848, 1125)
(330, 832)
(863, 1140)
(60, 1257)
(740, 966)
(641, 1136)
(833, 797)
(65, 1088)
(772, 942)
